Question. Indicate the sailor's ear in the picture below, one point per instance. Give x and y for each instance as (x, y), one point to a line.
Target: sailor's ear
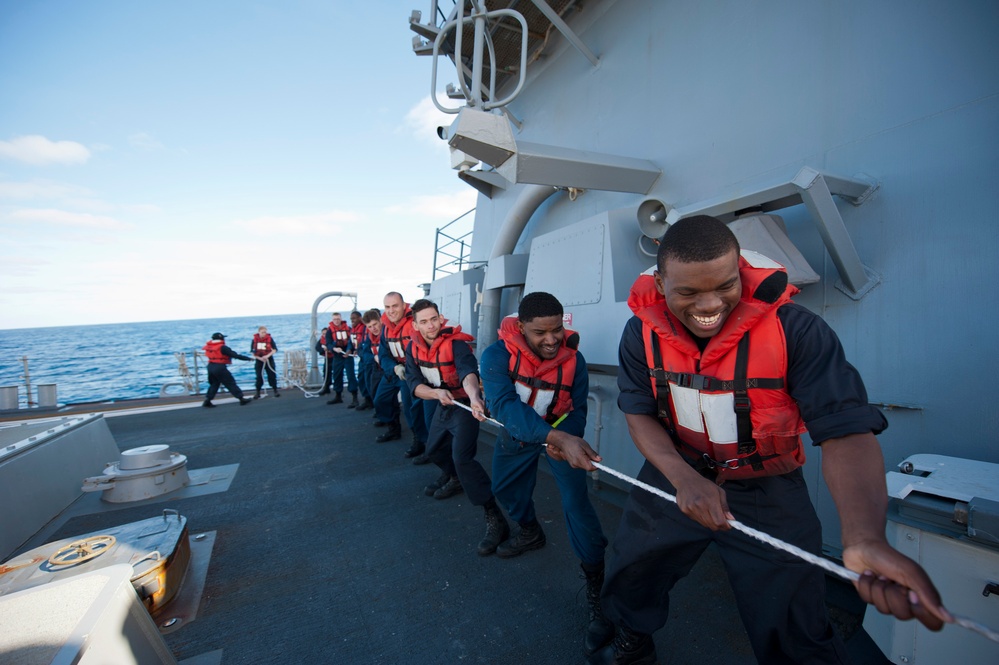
(660, 283)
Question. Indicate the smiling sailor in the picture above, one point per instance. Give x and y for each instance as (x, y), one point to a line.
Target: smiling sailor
(720, 374)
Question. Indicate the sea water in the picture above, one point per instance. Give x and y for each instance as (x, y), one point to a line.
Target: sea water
(97, 363)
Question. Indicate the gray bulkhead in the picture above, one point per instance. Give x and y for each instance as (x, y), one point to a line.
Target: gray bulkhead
(728, 98)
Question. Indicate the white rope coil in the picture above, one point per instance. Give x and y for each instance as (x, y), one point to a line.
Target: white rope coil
(296, 371)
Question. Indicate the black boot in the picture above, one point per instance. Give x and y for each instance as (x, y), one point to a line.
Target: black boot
(422, 459)
(365, 405)
(256, 395)
(393, 433)
(628, 648)
(243, 401)
(437, 484)
(416, 449)
(276, 393)
(353, 401)
(600, 631)
(449, 489)
(207, 404)
(338, 399)
(530, 537)
(497, 530)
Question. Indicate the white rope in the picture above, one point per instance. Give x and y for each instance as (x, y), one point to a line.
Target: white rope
(469, 409)
(821, 562)
(185, 372)
(296, 369)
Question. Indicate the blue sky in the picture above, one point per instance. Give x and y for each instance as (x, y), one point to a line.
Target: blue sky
(176, 160)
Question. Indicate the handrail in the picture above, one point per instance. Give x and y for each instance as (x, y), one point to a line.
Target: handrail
(478, 19)
(446, 249)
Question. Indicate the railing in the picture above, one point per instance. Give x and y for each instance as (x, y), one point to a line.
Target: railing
(452, 249)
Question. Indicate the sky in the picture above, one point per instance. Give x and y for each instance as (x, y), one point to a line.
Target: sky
(189, 159)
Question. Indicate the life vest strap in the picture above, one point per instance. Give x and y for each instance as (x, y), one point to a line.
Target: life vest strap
(748, 454)
(537, 384)
(703, 382)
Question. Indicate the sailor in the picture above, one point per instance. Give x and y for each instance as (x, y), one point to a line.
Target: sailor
(263, 349)
(337, 339)
(720, 373)
(397, 330)
(536, 383)
(357, 334)
(440, 366)
(219, 358)
(328, 355)
(368, 355)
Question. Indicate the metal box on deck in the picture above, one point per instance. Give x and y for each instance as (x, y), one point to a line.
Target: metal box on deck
(944, 513)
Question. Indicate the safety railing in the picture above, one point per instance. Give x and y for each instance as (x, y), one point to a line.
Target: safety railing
(452, 248)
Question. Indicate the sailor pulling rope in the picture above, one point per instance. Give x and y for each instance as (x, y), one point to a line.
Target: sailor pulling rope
(825, 564)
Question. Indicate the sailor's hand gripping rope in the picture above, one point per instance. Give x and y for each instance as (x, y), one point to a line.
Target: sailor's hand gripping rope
(822, 563)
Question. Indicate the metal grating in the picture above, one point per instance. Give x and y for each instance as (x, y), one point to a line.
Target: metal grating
(506, 36)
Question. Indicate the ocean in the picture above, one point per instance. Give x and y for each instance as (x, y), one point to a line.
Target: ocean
(111, 362)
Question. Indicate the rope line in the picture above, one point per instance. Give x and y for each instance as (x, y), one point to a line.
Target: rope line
(821, 562)
(469, 409)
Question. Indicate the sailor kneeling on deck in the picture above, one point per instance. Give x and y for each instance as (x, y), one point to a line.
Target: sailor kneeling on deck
(536, 384)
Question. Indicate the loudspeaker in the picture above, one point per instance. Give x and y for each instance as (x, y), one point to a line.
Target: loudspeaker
(652, 218)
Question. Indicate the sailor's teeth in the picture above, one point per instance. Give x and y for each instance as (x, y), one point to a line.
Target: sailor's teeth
(706, 320)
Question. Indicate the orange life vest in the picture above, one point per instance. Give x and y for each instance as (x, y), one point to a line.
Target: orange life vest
(436, 361)
(340, 335)
(357, 333)
(213, 351)
(397, 335)
(262, 345)
(544, 385)
(728, 406)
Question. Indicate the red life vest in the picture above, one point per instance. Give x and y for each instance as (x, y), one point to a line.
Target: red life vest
(728, 405)
(340, 335)
(357, 334)
(436, 361)
(262, 345)
(213, 351)
(397, 335)
(544, 385)
(374, 344)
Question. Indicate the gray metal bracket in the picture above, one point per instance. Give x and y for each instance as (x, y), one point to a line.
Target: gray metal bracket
(566, 31)
(815, 189)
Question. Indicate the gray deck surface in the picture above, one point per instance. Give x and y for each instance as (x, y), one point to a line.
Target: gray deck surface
(327, 551)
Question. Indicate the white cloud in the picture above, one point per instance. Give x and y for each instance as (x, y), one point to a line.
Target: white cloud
(143, 209)
(442, 208)
(20, 265)
(40, 190)
(323, 224)
(71, 219)
(424, 119)
(39, 151)
(144, 141)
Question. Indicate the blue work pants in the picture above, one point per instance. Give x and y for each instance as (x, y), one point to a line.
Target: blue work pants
(780, 598)
(343, 363)
(452, 445)
(418, 412)
(515, 475)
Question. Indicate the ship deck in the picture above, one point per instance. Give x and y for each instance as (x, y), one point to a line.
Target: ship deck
(327, 551)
